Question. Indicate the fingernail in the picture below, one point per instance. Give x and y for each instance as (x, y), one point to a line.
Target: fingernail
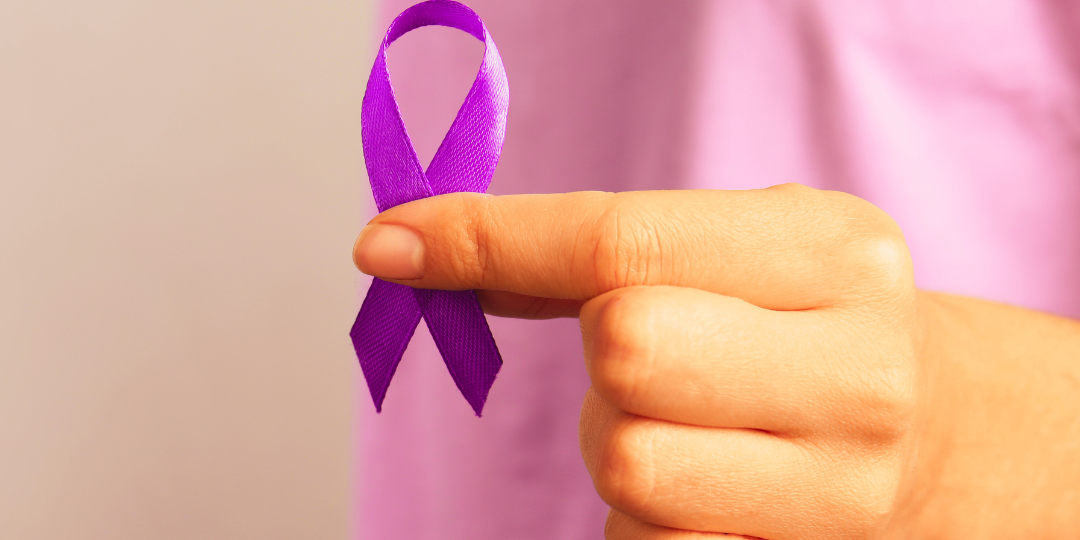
(390, 251)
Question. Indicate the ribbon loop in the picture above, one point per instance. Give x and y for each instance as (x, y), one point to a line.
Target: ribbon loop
(465, 161)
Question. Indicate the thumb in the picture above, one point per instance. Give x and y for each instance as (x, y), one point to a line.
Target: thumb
(520, 243)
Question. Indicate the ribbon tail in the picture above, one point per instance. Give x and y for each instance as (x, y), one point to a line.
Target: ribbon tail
(386, 322)
(460, 330)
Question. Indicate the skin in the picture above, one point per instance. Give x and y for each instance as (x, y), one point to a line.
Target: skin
(762, 364)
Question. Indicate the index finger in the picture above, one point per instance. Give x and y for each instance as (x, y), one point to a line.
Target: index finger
(787, 247)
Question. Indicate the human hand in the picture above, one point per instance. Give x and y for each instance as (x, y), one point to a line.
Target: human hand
(762, 363)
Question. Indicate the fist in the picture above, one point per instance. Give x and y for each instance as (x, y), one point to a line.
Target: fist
(754, 356)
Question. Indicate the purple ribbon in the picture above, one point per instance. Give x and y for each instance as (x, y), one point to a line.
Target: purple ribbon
(465, 161)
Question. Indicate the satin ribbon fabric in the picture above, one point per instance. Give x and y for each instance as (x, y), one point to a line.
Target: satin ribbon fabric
(465, 161)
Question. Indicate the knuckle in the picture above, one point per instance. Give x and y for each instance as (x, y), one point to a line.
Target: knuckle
(879, 487)
(863, 496)
(626, 473)
(865, 243)
(626, 248)
(885, 405)
(874, 486)
(626, 351)
(470, 258)
(881, 259)
(793, 189)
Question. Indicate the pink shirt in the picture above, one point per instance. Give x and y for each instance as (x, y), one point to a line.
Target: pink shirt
(961, 118)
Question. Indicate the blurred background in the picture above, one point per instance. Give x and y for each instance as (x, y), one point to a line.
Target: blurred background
(180, 183)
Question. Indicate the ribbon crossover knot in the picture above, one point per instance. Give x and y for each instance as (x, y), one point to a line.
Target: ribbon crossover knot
(465, 161)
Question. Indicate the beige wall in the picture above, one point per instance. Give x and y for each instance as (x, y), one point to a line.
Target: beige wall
(180, 185)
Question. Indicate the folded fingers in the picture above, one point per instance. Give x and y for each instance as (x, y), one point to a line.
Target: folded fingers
(695, 357)
(735, 481)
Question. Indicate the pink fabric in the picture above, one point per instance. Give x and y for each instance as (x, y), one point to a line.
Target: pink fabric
(961, 118)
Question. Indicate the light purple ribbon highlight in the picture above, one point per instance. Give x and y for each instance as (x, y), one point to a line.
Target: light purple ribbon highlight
(465, 161)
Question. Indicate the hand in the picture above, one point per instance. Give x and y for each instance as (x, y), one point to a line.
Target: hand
(762, 364)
